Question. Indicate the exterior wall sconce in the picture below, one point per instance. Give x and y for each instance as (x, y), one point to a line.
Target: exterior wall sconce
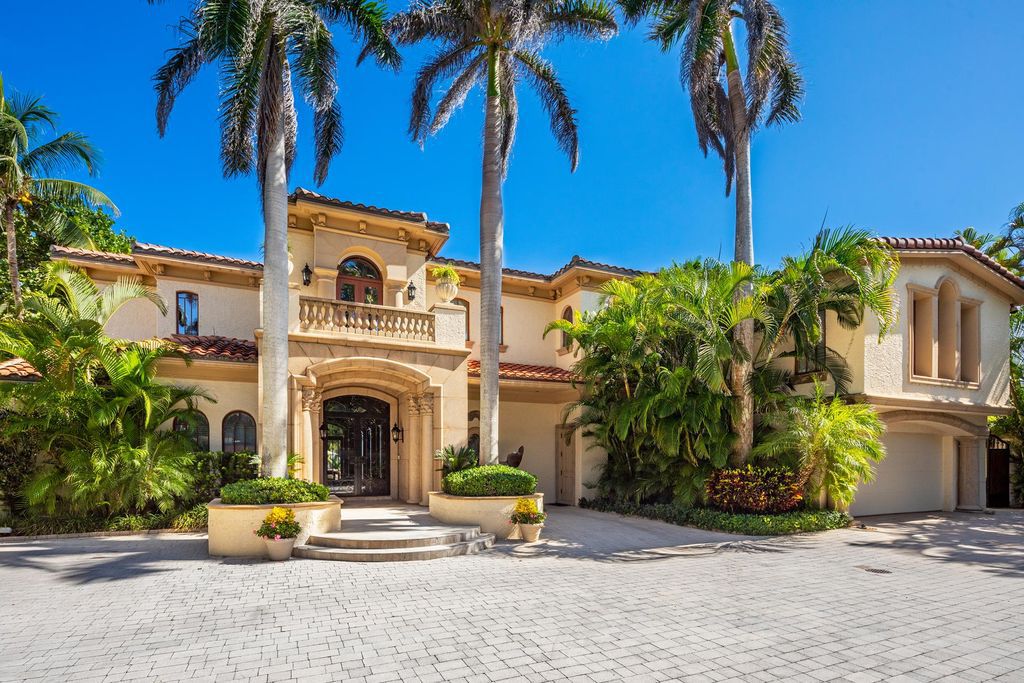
(323, 431)
(411, 291)
(307, 275)
(397, 434)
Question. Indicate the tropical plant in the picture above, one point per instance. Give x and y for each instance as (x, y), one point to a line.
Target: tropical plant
(1005, 247)
(728, 106)
(1010, 427)
(30, 186)
(260, 47)
(446, 273)
(97, 409)
(754, 490)
(832, 444)
(456, 459)
(496, 46)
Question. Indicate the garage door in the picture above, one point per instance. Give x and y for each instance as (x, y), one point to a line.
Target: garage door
(908, 480)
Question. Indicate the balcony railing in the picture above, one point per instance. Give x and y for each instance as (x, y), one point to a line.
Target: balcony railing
(329, 315)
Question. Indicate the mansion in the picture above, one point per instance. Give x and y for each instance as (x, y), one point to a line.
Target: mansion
(384, 371)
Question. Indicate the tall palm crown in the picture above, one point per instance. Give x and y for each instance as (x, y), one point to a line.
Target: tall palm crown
(261, 45)
(30, 166)
(497, 44)
(264, 47)
(773, 86)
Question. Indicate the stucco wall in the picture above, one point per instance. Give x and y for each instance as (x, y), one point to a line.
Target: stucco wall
(223, 310)
(886, 365)
(533, 426)
(137, 320)
(227, 397)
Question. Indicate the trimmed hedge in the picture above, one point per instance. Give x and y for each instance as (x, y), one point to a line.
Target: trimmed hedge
(754, 489)
(795, 522)
(490, 480)
(273, 490)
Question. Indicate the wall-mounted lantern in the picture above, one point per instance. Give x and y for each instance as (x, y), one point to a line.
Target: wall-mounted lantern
(411, 291)
(397, 433)
(323, 431)
(307, 275)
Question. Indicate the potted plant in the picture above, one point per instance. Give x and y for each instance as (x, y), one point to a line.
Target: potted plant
(278, 531)
(447, 281)
(528, 518)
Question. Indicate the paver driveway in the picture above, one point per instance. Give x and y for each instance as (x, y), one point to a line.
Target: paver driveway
(601, 604)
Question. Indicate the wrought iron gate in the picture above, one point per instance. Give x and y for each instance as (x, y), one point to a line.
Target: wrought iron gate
(357, 447)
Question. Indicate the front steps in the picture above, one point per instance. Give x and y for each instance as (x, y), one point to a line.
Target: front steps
(415, 542)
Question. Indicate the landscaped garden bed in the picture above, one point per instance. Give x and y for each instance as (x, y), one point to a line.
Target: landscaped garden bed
(242, 507)
(747, 524)
(485, 497)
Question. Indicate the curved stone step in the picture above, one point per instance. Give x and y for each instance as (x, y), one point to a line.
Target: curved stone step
(399, 554)
(405, 538)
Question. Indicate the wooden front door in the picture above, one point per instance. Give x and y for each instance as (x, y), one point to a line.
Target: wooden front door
(566, 492)
(997, 485)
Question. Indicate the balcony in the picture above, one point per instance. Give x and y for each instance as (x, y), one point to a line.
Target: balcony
(344, 317)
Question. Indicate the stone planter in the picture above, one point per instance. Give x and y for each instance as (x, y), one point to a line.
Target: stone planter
(446, 290)
(530, 532)
(490, 513)
(231, 526)
(278, 551)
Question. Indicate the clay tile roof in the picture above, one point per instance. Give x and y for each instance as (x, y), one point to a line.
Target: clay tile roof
(533, 373)
(574, 262)
(17, 370)
(197, 256)
(954, 244)
(415, 216)
(57, 251)
(216, 348)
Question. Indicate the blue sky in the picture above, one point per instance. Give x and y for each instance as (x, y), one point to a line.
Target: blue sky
(912, 126)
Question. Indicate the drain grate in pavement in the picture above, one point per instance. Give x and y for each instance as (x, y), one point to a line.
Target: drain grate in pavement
(873, 570)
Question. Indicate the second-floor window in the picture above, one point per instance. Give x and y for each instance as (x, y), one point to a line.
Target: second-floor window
(359, 281)
(188, 313)
(567, 315)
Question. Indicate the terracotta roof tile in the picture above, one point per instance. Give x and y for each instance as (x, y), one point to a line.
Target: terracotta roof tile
(198, 256)
(57, 251)
(415, 216)
(17, 370)
(947, 244)
(575, 261)
(212, 347)
(533, 373)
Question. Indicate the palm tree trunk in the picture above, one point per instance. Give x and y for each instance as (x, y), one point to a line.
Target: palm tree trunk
(12, 255)
(744, 251)
(491, 248)
(274, 347)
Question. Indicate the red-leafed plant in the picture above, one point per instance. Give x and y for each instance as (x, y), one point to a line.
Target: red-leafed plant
(754, 489)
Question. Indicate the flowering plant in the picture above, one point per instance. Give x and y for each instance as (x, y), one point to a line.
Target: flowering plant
(278, 524)
(525, 512)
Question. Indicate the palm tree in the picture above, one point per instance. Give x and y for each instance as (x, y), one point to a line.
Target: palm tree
(264, 49)
(834, 444)
(27, 166)
(1004, 248)
(728, 106)
(495, 44)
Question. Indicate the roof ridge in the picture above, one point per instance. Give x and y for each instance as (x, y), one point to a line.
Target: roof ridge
(957, 243)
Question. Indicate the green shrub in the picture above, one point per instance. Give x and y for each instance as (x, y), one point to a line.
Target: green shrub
(794, 522)
(142, 522)
(273, 490)
(490, 480)
(214, 469)
(754, 489)
(193, 519)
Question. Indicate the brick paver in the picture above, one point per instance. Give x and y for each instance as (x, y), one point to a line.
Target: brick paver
(802, 608)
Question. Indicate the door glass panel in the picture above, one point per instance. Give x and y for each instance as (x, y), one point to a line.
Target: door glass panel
(347, 292)
(357, 453)
(371, 295)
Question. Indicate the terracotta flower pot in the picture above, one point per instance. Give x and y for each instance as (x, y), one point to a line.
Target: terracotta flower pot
(281, 550)
(446, 290)
(530, 532)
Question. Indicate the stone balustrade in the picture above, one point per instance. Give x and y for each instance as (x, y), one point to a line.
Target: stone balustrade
(329, 315)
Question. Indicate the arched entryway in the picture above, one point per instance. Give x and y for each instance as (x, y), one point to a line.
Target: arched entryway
(357, 446)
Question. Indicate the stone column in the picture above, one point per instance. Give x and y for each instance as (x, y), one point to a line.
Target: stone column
(971, 474)
(426, 407)
(412, 453)
(311, 434)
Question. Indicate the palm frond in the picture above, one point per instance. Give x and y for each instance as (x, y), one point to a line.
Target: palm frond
(555, 101)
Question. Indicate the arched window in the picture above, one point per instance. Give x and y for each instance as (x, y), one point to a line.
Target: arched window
(187, 314)
(464, 304)
(567, 315)
(239, 433)
(359, 281)
(197, 430)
